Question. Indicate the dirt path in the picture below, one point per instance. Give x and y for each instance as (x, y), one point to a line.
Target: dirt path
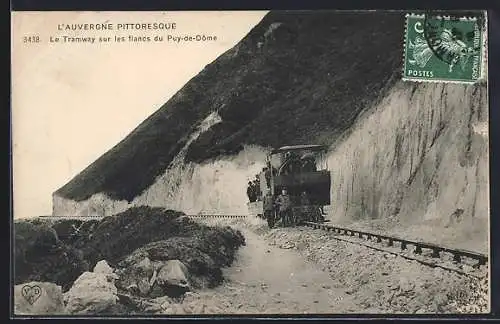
(266, 279)
(301, 271)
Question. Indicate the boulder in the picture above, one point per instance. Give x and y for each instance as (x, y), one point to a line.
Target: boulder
(173, 278)
(92, 293)
(174, 272)
(38, 298)
(103, 267)
(143, 277)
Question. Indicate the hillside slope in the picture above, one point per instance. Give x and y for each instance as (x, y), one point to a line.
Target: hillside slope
(300, 76)
(406, 158)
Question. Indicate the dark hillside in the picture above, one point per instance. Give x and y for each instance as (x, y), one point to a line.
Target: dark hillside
(297, 77)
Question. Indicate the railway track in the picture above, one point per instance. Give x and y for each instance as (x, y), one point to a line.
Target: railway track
(461, 261)
(217, 216)
(88, 218)
(84, 218)
(457, 260)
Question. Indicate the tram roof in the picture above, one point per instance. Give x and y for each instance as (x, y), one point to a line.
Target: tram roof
(299, 147)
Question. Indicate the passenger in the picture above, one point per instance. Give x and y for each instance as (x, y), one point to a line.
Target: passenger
(256, 189)
(291, 165)
(250, 191)
(257, 186)
(295, 164)
(308, 162)
(268, 205)
(284, 204)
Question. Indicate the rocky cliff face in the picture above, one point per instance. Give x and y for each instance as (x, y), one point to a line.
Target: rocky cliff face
(404, 156)
(419, 158)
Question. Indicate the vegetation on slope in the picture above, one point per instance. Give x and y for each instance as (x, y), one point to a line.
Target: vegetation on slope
(297, 77)
(60, 252)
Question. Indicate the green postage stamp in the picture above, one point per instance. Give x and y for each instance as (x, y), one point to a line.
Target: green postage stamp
(444, 49)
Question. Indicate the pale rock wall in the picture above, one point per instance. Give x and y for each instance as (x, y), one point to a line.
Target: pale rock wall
(411, 162)
(218, 187)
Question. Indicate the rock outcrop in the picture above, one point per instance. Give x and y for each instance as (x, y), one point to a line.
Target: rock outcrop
(142, 253)
(103, 267)
(92, 293)
(173, 278)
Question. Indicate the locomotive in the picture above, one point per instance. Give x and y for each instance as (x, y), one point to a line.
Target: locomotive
(303, 171)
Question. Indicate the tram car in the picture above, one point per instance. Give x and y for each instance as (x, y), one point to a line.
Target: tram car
(303, 171)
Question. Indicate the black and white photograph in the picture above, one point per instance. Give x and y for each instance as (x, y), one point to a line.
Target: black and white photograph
(192, 163)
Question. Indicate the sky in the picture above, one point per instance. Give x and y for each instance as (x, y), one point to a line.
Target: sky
(71, 102)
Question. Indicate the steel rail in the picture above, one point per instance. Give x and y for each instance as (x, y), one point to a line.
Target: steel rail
(458, 254)
(215, 216)
(101, 217)
(72, 217)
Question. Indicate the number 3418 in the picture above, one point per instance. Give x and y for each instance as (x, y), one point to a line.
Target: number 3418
(31, 39)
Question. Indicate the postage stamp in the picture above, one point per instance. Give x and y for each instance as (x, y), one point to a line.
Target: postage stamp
(443, 49)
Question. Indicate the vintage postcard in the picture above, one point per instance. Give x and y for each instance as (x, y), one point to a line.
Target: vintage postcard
(201, 163)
